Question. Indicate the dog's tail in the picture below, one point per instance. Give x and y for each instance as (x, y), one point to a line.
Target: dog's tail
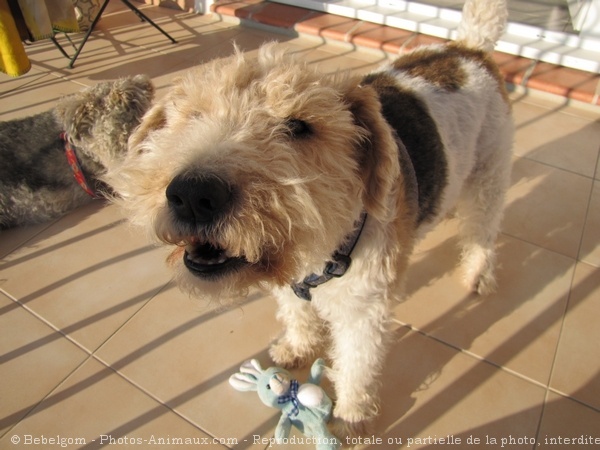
(482, 24)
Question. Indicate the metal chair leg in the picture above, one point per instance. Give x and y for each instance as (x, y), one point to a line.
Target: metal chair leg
(87, 34)
(141, 15)
(59, 47)
(145, 18)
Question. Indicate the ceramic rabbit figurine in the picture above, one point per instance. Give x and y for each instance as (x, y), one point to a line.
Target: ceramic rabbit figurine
(305, 406)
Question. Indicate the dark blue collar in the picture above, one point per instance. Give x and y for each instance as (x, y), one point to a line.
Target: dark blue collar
(337, 267)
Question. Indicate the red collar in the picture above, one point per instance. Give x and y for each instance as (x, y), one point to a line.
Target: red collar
(75, 166)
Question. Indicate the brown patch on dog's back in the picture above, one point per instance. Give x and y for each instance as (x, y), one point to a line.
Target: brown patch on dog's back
(437, 66)
(485, 59)
(443, 66)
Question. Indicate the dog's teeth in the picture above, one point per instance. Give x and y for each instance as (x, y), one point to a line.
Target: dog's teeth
(196, 257)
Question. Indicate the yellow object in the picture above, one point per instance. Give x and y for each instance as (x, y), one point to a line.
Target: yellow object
(41, 18)
(13, 59)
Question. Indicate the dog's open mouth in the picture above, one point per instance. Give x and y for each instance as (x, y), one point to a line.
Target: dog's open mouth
(207, 260)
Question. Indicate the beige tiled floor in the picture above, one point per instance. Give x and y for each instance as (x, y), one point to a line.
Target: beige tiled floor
(97, 342)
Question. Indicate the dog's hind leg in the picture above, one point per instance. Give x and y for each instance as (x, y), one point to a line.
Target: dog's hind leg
(303, 334)
(480, 211)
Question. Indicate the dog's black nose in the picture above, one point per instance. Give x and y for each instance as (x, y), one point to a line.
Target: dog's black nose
(198, 199)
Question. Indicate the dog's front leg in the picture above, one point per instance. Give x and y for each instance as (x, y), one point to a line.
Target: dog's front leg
(303, 333)
(360, 333)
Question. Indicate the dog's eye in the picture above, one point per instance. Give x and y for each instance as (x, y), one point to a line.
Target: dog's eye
(298, 128)
(268, 386)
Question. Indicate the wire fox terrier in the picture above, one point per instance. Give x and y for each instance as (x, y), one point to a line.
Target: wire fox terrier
(48, 158)
(265, 173)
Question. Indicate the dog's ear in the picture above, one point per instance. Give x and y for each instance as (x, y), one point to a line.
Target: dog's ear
(154, 119)
(128, 99)
(377, 151)
(76, 115)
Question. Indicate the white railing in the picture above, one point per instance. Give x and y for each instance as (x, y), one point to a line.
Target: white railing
(567, 49)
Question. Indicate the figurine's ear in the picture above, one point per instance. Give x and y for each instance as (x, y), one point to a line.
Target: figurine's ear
(247, 378)
(243, 382)
(252, 367)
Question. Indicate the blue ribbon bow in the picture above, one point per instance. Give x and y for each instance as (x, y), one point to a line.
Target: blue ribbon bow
(291, 396)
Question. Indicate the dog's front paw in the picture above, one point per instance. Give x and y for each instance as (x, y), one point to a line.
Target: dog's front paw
(485, 284)
(352, 421)
(350, 434)
(478, 271)
(288, 357)
(482, 283)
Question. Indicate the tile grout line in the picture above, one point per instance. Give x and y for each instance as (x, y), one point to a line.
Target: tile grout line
(48, 395)
(562, 169)
(559, 104)
(146, 392)
(518, 238)
(130, 381)
(349, 35)
(129, 319)
(471, 354)
(568, 397)
(62, 381)
(89, 356)
(528, 73)
(596, 93)
(587, 211)
(29, 239)
(578, 260)
(548, 388)
(95, 357)
(46, 322)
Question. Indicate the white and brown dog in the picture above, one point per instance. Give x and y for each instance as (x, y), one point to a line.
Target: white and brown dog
(266, 173)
